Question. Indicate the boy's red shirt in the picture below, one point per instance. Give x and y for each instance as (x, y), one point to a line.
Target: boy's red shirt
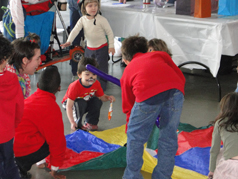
(147, 75)
(41, 122)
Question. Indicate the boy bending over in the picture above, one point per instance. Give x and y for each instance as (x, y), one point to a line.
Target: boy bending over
(152, 85)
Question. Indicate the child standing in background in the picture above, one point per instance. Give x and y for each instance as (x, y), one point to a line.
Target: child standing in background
(158, 45)
(11, 111)
(85, 96)
(24, 61)
(224, 162)
(95, 27)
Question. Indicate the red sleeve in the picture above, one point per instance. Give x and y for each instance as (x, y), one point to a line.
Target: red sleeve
(72, 91)
(53, 131)
(128, 98)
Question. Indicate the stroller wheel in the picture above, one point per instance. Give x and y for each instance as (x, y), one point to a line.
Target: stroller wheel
(76, 56)
(76, 53)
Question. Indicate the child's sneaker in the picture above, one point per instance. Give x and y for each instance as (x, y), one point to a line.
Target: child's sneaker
(90, 127)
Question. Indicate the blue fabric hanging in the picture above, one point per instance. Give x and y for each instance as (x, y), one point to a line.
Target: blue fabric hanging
(228, 7)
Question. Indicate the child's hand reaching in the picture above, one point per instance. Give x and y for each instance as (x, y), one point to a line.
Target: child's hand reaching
(65, 44)
(210, 175)
(111, 98)
(111, 50)
(73, 126)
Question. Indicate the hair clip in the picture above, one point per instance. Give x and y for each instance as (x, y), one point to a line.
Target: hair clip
(33, 41)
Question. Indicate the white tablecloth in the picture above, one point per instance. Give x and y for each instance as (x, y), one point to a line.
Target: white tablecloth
(202, 40)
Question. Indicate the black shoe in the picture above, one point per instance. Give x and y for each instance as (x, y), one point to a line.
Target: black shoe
(26, 176)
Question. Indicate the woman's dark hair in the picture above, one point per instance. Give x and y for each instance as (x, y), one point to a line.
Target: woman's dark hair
(50, 79)
(22, 48)
(133, 45)
(228, 116)
(33, 37)
(6, 49)
(85, 61)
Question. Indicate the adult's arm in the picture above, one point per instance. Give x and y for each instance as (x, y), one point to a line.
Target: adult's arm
(18, 17)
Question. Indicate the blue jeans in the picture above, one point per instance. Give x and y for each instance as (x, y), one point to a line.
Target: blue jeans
(143, 116)
(75, 14)
(8, 167)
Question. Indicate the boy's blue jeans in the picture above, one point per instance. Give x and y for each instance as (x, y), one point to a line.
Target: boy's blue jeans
(143, 116)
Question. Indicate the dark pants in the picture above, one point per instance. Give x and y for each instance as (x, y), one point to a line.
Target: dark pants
(75, 14)
(24, 163)
(92, 107)
(101, 55)
(8, 167)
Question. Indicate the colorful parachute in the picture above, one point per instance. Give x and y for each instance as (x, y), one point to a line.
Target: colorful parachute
(105, 149)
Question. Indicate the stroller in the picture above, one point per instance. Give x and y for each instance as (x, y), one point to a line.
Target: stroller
(41, 20)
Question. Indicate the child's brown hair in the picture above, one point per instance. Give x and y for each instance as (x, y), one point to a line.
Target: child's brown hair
(229, 111)
(132, 45)
(159, 45)
(85, 3)
(85, 61)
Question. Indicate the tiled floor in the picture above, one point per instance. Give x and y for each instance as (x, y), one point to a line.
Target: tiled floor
(200, 107)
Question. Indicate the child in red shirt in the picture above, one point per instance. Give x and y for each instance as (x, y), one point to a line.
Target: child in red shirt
(11, 111)
(35, 137)
(152, 85)
(85, 95)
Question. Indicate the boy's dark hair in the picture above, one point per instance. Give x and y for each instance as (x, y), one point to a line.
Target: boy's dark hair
(159, 45)
(83, 62)
(50, 79)
(22, 48)
(6, 49)
(133, 45)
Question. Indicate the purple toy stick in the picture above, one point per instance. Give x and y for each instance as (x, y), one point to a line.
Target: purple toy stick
(103, 75)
